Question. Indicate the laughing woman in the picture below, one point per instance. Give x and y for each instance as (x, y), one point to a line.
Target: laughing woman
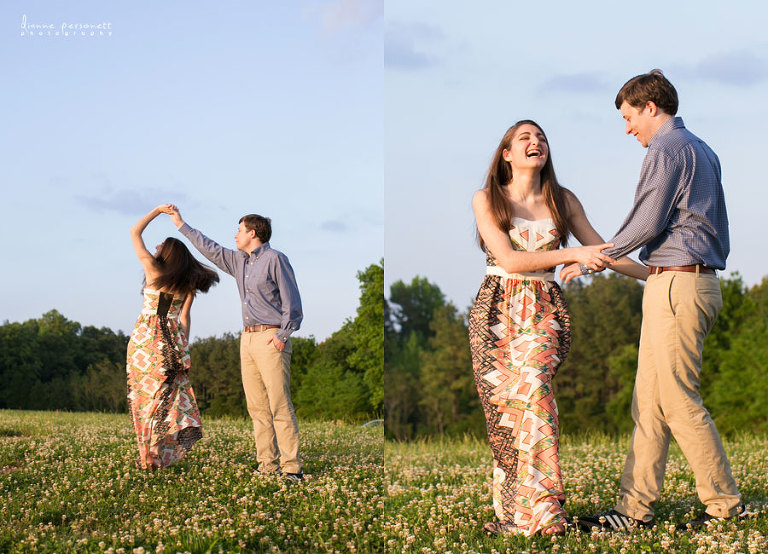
(160, 397)
(519, 326)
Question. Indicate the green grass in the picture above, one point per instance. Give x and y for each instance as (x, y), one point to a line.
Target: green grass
(68, 484)
(439, 497)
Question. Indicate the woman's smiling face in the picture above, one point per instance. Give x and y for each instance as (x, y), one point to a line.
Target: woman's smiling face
(528, 148)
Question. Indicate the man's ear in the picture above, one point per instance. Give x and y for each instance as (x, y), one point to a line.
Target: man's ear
(652, 108)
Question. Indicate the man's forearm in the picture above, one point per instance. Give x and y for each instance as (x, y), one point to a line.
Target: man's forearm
(212, 250)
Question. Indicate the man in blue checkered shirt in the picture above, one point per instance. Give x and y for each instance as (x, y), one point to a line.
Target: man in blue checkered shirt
(680, 221)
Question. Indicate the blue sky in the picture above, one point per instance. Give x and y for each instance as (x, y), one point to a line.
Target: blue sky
(285, 109)
(459, 74)
(224, 108)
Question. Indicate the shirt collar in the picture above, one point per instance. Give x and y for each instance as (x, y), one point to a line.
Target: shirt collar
(260, 250)
(674, 123)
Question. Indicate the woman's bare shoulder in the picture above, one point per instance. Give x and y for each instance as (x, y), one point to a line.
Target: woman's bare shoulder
(572, 202)
(480, 198)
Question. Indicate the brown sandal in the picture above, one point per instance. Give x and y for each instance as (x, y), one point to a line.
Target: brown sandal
(500, 528)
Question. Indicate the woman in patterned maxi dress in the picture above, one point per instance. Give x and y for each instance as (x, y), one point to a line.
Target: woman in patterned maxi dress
(161, 401)
(519, 327)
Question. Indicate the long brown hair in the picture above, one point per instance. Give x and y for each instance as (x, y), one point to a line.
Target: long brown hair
(500, 174)
(180, 271)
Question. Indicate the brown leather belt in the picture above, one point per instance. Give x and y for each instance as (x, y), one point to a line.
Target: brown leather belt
(259, 328)
(688, 268)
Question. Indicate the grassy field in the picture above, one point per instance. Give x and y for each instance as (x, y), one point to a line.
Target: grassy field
(439, 497)
(68, 484)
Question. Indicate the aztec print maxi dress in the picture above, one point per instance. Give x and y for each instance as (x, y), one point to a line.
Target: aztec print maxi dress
(160, 397)
(519, 332)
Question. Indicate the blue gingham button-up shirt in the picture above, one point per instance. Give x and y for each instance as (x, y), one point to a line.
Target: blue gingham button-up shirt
(679, 216)
(265, 279)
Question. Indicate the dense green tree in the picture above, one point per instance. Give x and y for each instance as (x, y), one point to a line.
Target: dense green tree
(215, 375)
(54, 394)
(414, 305)
(102, 388)
(303, 356)
(58, 346)
(401, 378)
(20, 364)
(594, 386)
(737, 305)
(331, 389)
(100, 344)
(407, 333)
(739, 391)
(606, 312)
(622, 366)
(368, 333)
(345, 377)
(449, 398)
(54, 363)
(43, 362)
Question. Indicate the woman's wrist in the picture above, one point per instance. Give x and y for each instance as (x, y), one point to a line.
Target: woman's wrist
(571, 254)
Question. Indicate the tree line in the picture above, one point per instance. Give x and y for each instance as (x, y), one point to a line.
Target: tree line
(52, 363)
(430, 389)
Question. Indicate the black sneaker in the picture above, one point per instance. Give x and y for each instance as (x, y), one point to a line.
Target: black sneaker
(611, 521)
(295, 477)
(705, 520)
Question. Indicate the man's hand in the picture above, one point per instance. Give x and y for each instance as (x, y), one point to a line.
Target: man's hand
(573, 270)
(279, 345)
(592, 256)
(175, 214)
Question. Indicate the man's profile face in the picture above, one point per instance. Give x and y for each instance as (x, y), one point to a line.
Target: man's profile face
(639, 122)
(244, 238)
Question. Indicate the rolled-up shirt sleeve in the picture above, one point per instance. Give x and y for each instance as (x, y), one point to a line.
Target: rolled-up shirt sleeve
(655, 201)
(222, 257)
(289, 298)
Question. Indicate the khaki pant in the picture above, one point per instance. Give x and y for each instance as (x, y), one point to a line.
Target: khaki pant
(679, 310)
(267, 382)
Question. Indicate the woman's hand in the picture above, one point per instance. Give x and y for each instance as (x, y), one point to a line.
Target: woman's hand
(166, 208)
(570, 271)
(176, 215)
(593, 257)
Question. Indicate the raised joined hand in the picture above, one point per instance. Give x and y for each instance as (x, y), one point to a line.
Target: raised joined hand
(175, 214)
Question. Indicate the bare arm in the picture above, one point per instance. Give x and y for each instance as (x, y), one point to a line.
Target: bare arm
(515, 261)
(584, 232)
(145, 257)
(185, 317)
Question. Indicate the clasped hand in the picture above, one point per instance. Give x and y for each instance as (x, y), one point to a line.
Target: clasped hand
(173, 211)
(590, 256)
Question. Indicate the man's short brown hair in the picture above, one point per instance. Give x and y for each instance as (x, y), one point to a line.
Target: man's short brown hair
(262, 225)
(649, 87)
